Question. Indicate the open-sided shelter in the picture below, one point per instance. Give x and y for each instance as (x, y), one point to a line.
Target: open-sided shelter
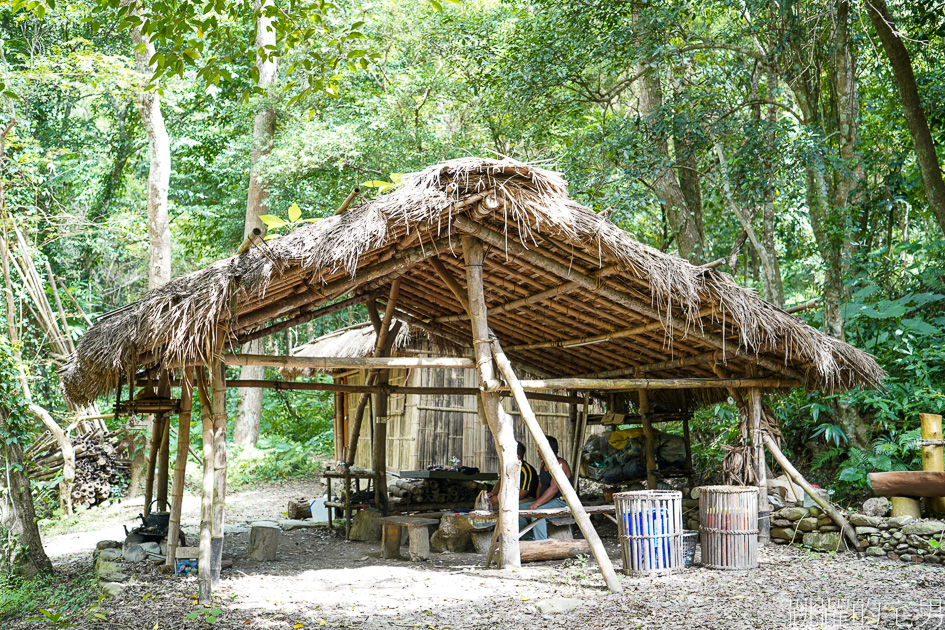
(494, 256)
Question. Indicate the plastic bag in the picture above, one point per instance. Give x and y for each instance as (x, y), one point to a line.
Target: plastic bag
(482, 502)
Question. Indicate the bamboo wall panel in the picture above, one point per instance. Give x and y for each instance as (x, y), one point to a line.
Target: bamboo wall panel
(430, 429)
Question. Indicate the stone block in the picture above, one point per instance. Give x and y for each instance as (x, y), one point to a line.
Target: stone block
(782, 533)
(823, 541)
(807, 524)
(830, 528)
(135, 553)
(900, 521)
(866, 531)
(877, 506)
(791, 513)
(107, 544)
(875, 551)
(863, 520)
(924, 528)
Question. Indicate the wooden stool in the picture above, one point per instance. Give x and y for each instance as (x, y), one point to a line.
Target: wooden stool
(418, 535)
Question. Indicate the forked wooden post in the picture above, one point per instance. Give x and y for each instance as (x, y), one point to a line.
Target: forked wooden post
(218, 400)
(206, 503)
(758, 453)
(557, 472)
(499, 422)
(180, 465)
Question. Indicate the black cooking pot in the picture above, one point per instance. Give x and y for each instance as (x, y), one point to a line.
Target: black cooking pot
(156, 520)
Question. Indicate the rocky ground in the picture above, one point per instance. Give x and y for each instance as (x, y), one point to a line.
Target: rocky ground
(321, 581)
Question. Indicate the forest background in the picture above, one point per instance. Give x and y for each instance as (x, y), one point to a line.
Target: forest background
(781, 136)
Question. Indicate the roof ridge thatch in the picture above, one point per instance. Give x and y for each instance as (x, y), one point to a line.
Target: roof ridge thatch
(179, 321)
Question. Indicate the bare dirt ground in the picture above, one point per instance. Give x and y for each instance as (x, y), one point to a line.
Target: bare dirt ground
(321, 581)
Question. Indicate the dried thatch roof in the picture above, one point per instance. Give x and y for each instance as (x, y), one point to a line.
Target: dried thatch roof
(691, 310)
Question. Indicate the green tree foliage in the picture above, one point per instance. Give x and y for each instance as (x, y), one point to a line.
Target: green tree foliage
(752, 116)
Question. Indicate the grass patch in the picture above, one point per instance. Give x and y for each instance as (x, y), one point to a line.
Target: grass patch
(69, 593)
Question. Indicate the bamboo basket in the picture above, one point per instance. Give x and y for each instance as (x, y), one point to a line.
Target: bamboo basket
(729, 530)
(651, 532)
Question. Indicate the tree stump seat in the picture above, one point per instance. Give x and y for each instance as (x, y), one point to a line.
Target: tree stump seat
(418, 535)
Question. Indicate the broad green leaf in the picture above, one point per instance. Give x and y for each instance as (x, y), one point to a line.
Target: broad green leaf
(272, 222)
(295, 213)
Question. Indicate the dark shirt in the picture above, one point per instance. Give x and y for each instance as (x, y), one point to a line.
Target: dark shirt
(528, 480)
(545, 482)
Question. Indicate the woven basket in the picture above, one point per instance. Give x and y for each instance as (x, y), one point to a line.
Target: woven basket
(729, 517)
(649, 523)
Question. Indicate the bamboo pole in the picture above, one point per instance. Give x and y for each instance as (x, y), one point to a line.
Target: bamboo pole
(354, 363)
(301, 318)
(157, 432)
(62, 312)
(699, 359)
(557, 472)
(347, 202)
(180, 466)
(594, 285)
(798, 478)
(74, 301)
(218, 400)
(932, 460)
(628, 384)
(206, 504)
(500, 423)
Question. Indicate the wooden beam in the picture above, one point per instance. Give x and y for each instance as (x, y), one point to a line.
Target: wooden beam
(500, 423)
(357, 363)
(586, 341)
(562, 289)
(301, 318)
(626, 384)
(590, 283)
(557, 472)
(699, 359)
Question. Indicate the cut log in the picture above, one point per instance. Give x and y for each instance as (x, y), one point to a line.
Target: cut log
(264, 542)
(540, 550)
(481, 540)
(365, 526)
(908, 483)
(453, 534)
(299, 509)
(390, 540)
(419, 543)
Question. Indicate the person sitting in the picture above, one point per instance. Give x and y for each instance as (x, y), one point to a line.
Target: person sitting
(549, 497)
(527, 481)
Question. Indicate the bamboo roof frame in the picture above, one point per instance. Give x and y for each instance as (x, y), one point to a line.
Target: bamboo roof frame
(569, 293)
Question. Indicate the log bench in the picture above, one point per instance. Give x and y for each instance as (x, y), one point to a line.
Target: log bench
(557, 516)
(418, 536)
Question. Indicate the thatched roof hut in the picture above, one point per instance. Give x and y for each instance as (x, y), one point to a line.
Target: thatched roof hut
(569, 293)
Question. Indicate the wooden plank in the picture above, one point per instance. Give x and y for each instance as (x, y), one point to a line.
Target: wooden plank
(908, 483)
(628, 384)
(409, 521)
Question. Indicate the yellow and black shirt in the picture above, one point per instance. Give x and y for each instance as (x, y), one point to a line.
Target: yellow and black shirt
(528, 480)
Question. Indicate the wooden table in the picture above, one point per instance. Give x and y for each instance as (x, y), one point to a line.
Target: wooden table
(418, 536)
(481, 520)
(346, 505)
(448, 474)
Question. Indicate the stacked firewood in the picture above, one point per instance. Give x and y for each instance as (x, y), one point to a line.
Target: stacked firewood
(423, 491)
(99, 466)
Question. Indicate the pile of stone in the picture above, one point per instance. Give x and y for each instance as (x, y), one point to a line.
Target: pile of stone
(112, 559)
(900, 538)
(806, 526)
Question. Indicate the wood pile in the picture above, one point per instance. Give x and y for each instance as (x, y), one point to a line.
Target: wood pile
(426, 491)
(99, 465)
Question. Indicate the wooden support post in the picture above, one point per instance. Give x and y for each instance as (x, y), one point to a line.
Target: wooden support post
(579, 443)
(380, 462)
(557, 473)
(180, 465)
(932, 459)
(339, 426)
(382, 345)
(649, 441)
(206, 502)
(500, 423)
(218, 400)
(157, 432)
(758, 454)
(164, 464)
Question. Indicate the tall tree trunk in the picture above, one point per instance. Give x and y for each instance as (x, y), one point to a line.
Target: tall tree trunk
(249, 409)
(774, 286)
(159, 174)
(911, 107)
(682, 220)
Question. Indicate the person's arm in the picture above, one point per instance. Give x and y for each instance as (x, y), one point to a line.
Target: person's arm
(552, 489)
(493, 495)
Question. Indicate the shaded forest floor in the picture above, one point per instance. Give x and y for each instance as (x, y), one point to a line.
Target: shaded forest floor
(321, 581)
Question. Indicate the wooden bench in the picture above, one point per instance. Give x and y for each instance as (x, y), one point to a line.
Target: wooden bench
(418, 536)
